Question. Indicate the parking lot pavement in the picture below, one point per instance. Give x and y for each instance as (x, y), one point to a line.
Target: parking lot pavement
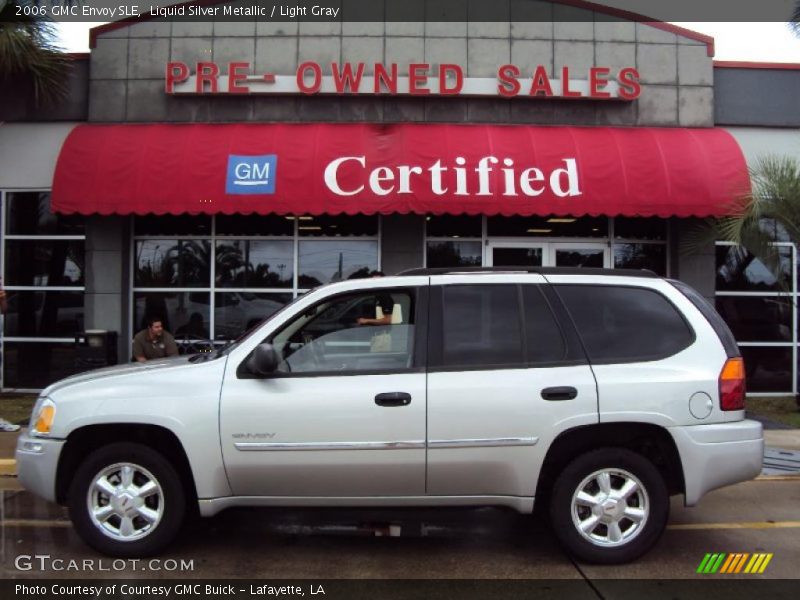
(757, 516)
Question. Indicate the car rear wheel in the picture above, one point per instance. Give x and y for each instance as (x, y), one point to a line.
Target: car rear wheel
(126, 500)
(609, 506)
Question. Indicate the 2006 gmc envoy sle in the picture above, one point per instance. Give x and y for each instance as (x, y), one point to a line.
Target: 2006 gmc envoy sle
(599, 392)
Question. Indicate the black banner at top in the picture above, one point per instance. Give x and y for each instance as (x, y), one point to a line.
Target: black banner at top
(329, 11)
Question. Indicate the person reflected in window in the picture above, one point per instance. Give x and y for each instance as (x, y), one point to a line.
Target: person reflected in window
(384, 306)
(153, 342)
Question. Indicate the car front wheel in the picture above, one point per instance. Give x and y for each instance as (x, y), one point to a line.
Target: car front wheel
(609, 506)
(126, 500)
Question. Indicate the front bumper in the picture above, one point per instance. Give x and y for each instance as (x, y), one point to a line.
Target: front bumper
(37, 464)
(717, 455)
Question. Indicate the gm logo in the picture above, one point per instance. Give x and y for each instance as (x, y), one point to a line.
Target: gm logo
(251, 174)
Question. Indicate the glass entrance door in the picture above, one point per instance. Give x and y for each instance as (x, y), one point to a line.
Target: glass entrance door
(580, 255)
(516, 255)
(548, 254)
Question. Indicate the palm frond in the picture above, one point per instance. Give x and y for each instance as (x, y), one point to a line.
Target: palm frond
(770, 213)
(794, 23)
(29, 54)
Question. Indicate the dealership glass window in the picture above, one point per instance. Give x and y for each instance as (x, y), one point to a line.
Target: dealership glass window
(551, 226)
(28, 214)
(768, 368)
(453, 226)
(172, 263)
(43, 313)
(641, 256)
(272, 225)
(177, 310)
(757, 318)
(44, 262)
(236, 312)
(761, 310)
(453, 241)
(217, 279)
(453, 254)
(640, 228)
(167, 225)
(32, 365)
(738, 270)
(326, 262)
(43, 276)
(337, 226)
(255, 263)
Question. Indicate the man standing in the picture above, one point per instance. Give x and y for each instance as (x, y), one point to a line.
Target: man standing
(153, 342)
(4, 425)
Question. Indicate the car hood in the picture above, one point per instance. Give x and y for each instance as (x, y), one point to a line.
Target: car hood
(124, 369)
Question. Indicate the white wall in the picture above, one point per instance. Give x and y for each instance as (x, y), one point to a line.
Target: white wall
(760, 141)
(28, 153)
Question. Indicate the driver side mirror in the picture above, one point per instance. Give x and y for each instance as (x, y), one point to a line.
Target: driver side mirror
(263, 361)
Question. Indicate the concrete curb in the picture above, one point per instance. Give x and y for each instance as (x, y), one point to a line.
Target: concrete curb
(8, 467)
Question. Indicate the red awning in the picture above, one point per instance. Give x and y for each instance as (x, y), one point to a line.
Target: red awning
(406, 168)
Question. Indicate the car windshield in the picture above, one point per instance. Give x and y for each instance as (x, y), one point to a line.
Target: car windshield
(227, 348)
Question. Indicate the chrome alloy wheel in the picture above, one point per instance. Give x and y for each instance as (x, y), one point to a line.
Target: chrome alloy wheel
(125, 502)
(610, 507)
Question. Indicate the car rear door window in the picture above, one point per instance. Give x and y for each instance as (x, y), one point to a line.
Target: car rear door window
(544, 340)
(481, 326)
(625, 324)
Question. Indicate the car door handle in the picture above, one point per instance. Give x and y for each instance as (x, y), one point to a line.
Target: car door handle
(393, 399)
(559, 393)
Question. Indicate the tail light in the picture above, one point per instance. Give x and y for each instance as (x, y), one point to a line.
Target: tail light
(732, 385)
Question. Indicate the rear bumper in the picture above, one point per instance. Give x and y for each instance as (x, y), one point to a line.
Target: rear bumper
(37, 463)
(714, 456)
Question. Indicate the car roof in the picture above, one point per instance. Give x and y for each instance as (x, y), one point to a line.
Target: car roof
(643, 273)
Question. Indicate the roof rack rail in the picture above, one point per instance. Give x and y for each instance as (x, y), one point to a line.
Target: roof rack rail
(537, 270)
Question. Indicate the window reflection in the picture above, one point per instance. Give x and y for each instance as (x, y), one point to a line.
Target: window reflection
(768, 369)
(325, 262)
(254, 263)
(454, 254)
(44, 262)
(44, 314)
(739, 270)
(757, 319)
(552, 226)
(236, 312)
(641, 256)
(173, 263)
(172, 225)
(34, 365)
(176, 310)
(28, 213)
(453, 226)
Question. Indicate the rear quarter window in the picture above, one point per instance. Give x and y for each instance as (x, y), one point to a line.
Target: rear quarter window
(625, 324)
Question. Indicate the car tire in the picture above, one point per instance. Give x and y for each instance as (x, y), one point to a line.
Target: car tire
(127, 500)
(609, 506)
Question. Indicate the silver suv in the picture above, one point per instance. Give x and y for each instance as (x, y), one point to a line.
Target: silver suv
(598, 392)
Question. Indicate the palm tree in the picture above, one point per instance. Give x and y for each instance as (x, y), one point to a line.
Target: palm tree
(794, 23)
(770, 213)
(30, 56)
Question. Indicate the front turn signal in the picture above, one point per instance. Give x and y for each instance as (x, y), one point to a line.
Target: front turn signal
(43, 420)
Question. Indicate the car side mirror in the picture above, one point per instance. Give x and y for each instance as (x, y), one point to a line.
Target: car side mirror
(263, 361)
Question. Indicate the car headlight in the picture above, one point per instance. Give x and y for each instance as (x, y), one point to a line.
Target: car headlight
(44, 413)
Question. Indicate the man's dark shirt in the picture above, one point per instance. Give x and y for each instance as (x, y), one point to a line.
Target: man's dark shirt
(161, 347)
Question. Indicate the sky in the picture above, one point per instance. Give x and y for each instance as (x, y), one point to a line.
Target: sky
(755, 42)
